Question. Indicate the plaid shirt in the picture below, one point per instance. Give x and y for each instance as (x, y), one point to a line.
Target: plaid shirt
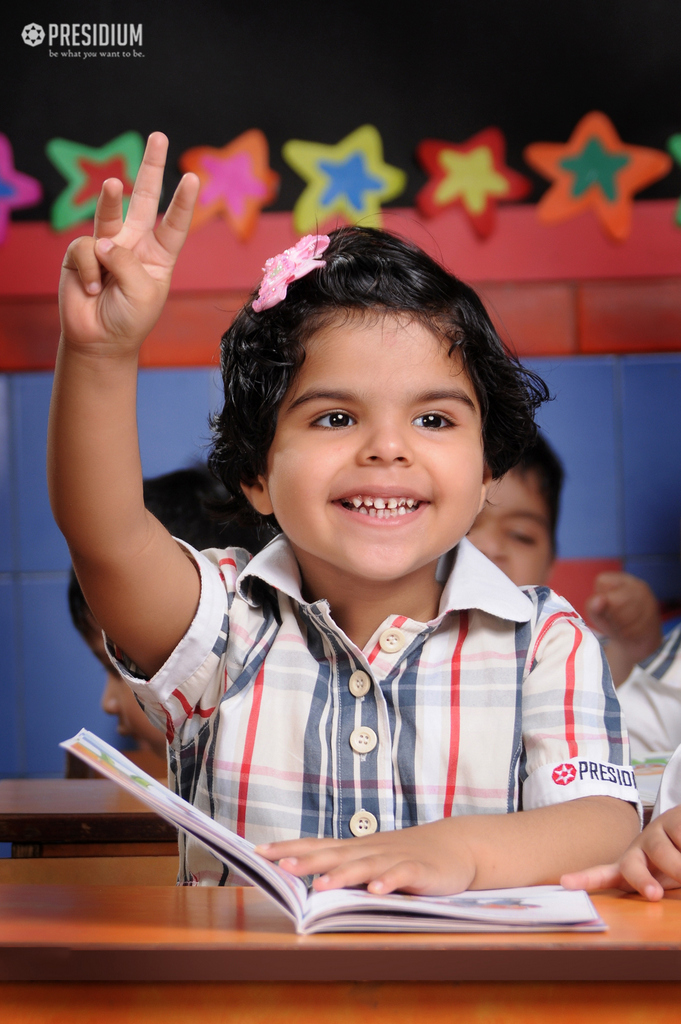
(504, 701)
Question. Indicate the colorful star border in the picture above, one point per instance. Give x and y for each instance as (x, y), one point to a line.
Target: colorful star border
(472, 174)
(349, 181)
(17, 190)
(236, 181)
(86, 168)
(595, 170)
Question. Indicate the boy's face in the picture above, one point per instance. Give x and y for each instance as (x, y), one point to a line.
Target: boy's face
(514, 529)
(379, 415)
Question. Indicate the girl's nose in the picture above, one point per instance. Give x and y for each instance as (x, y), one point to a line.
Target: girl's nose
(386, 443)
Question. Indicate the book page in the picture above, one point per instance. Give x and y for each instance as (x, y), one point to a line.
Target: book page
(288, 891)
(520, 909)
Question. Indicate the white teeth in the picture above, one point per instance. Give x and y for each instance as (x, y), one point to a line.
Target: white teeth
(383, 508)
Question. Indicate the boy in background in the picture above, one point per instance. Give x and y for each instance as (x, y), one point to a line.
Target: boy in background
(182, 501)
(517, 531)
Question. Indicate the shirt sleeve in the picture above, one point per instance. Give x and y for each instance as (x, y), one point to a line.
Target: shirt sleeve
(575, 741)
(651, 700)
(189, 684)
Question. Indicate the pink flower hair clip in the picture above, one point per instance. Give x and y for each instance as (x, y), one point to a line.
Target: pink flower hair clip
(289, 266)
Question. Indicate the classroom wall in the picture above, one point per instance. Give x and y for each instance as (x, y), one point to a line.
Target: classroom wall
(604, 348)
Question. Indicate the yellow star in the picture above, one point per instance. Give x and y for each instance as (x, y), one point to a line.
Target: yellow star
(470, 177)
(349, 180)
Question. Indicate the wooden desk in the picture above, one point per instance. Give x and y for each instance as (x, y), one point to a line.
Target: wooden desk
(79, 818)
(228, 955)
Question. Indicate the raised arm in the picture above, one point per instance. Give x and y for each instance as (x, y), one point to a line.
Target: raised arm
(138, 583)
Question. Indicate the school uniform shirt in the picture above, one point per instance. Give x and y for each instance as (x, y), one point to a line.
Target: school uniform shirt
(281, 727)
(651, 700)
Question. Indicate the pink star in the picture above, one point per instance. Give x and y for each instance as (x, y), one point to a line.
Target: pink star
(232, 179)
(17, 190)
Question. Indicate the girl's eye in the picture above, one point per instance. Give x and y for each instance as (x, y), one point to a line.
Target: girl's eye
(335, 419)
(432, 421)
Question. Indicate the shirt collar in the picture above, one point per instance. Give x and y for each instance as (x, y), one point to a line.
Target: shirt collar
(472, 581)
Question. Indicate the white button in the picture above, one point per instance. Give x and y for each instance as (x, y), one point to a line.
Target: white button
(359, 683)
(363, 823)
(392, 640)
(363, 740)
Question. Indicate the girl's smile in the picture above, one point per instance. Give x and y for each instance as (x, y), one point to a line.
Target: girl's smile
(376, 468)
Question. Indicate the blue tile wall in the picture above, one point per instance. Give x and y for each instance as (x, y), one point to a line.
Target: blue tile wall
(10, 755)
(581, 425)
(651, 437)
(51, 683)
(6, 532)
(614, 422)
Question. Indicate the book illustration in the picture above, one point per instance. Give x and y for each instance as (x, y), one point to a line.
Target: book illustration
(531, 908)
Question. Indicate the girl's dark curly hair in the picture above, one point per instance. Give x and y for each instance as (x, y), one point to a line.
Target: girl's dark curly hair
(367, 272)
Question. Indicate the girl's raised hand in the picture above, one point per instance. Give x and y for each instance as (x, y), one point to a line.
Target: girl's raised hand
(115, 283)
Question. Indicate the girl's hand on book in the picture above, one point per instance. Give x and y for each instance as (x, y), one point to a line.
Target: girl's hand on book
(429, 860)
(650, 865)
(114, 284)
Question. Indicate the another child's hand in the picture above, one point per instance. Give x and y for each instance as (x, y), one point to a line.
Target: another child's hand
(650, 865)
(625, 609)
(114, 284)
(427, 859)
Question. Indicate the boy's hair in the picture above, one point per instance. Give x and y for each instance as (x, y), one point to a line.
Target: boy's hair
(367, 272)
(182, 501)
(540, 459)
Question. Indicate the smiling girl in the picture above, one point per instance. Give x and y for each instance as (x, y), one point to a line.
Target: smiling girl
(369, 697)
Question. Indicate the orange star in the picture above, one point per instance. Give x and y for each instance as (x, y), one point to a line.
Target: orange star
(596, 170)
(236, 181)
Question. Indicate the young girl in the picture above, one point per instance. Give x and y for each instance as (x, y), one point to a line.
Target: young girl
(368, 687)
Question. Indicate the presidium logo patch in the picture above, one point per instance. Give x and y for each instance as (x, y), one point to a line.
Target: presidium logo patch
(564, 774)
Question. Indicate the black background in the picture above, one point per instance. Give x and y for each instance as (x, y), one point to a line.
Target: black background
(317, 71)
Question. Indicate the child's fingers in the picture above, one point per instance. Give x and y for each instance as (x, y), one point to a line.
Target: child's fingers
(295, 847)
(358, 871)
(663, 854)
(143, 207)
(604, 876)
(109, 212)
(172, 230)
(131, 277)
(407, 876)
(635, 871)
(80, 256)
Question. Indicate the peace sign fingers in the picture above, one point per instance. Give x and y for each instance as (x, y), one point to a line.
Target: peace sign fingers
(143, 208)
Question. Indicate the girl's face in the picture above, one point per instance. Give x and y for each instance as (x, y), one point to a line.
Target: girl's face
(376, 467)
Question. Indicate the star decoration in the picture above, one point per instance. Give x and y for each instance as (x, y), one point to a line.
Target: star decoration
(595, 170)
(236, 181)
(349, 180)
(17, 190)
(473, 174)
(674, 147)
(86, 168)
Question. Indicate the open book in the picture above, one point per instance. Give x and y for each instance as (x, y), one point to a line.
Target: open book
(536, 908)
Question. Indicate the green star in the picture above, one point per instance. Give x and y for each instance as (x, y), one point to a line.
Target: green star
(595, 166)
(86, 168)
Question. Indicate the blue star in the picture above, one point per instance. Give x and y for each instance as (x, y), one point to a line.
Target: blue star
(6, 189)
(350, 179)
